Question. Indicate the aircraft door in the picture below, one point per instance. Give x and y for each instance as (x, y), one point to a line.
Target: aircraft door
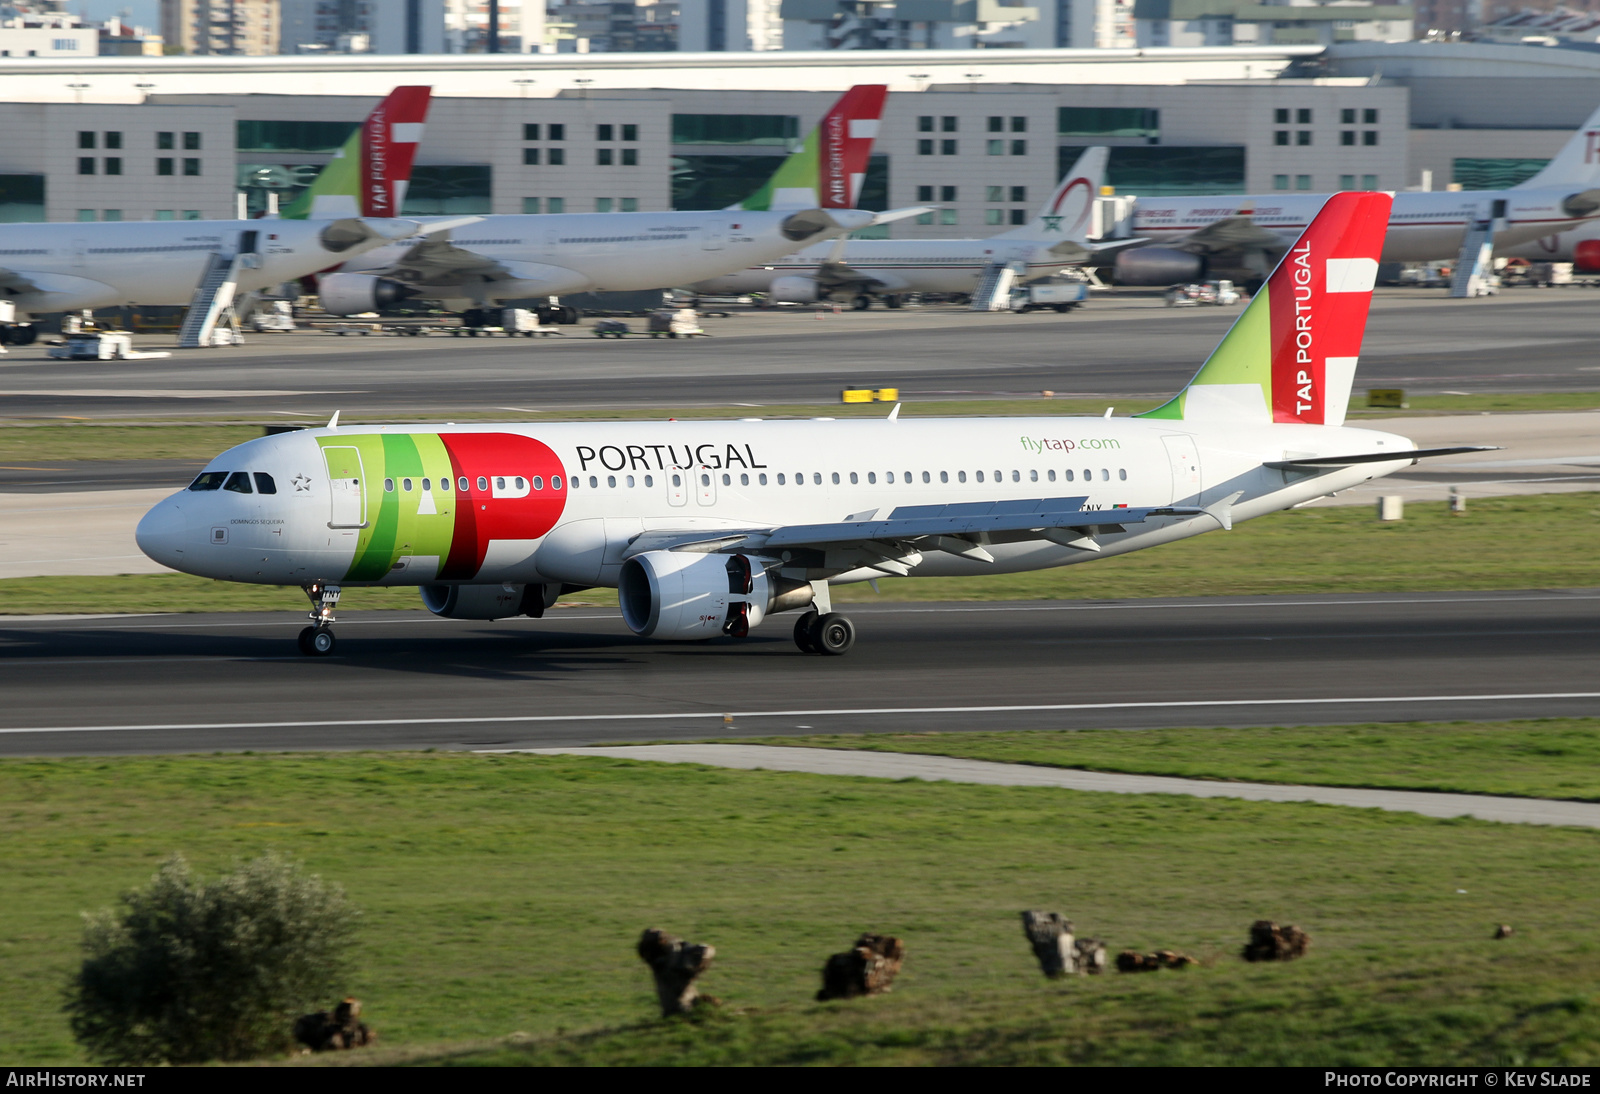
(1184, 456)
(678, 486)
(80, 254)
(347, 500)
(714, 238)
(705, 481)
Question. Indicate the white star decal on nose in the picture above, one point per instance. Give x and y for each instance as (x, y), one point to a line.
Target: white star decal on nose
(301, 482)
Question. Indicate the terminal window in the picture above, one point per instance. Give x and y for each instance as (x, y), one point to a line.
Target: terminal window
(558, 131)
(113, 139)
(1302, 182)
(1164, 170)
(947, 193)
(602, 205)
(277, 136)
(1493, 172)
(1019, 193)
(924, 147)
(1281, 115)
(948, 124)
(947, 148)
(164, 140)
(1019, 216)
(1369, 182)
(111, 214)
(1347, 116)
(1369, 137)
(769, 130)
(113, 165)
(1019, 148)
(85, 138)
(557, 157)
(530, 205)
(530, 131)
(21, 199)
(85, 165)
(1369, 116)
(604, 132)
(602, 157)
(630, 157)
(1303, 116)
(997, 124)
(1019, 125)
(1347, 136)
(925, 123)
(628, 205)
(444, 189)
(191, 214)
(924, 193)
(997, 148)
(994, 193)
(630, 132)
(530, 157)
(924, 218)
(994, 216)
(1281, 137)
(1347, 182)
(1109, 121)
(85, 214)
(947, 216)
(1302, 137)
(1281, 182)
(165, 214)
(191, 166)
(164, 165)
(555, 205)
(191, 142)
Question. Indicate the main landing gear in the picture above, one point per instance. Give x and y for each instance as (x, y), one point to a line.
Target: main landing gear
(317, 639)
(831, 634)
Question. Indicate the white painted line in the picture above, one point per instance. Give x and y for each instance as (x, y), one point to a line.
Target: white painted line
(903, 765)
(530, 719)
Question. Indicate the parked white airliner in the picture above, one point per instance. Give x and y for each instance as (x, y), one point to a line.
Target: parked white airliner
(1057, 237)
(706, 528)
(1242, 237)
(515, 257)
(64, 267)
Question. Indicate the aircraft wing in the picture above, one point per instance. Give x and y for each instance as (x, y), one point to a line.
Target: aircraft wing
(1082, 253)
(1315, 463)
(433, 258)
(1239, 233)
(960, 529)
(16, 282)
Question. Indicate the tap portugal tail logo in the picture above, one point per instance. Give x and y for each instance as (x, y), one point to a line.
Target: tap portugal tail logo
(826, 171)
(369, 175)
(1291, 357)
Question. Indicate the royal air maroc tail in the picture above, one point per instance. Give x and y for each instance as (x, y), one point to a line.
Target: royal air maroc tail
(826, 171)
(369, 175)
(706, 528)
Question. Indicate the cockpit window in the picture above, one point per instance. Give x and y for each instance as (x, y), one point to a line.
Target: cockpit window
(209, 480)
(239, 483)
(264, 483)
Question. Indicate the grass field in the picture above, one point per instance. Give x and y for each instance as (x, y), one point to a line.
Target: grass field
(503, 894)
(1547, 758)
(200, 439)
(1331, 550)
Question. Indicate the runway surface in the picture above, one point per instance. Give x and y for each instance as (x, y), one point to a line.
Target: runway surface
(900, 765)
(1524, 340)
(402, 680)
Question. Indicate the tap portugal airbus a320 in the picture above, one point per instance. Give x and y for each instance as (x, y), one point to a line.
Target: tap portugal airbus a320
(707, 528)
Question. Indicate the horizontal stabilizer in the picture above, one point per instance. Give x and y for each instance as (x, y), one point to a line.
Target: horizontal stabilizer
(1379, 457)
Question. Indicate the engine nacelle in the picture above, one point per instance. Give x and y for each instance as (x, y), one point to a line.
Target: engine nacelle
(352, 294)
(683, 596)
(485, 601)
(1158, 266)
(793, 290)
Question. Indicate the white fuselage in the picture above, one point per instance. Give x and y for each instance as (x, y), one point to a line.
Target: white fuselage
(559, 253)
(64, 267)
(898, 265)
(1423, 226)
(624, 479)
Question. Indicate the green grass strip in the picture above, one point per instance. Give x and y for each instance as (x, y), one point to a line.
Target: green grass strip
(1545, 758)
(506, 893)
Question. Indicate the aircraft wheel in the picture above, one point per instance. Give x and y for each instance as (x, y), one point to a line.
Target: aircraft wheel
(862, 302)
(316, 642)
(835, 634)
(24, 334)
(805, 633)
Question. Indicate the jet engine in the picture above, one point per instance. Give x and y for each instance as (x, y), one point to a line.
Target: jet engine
(1158, 266)
(793, 290)
(352, 294)
(487, 601)
(683, 596)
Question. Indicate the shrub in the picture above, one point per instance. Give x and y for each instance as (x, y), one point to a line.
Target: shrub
(188, 970)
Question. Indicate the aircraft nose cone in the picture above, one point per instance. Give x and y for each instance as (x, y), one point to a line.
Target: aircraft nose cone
(160, 533)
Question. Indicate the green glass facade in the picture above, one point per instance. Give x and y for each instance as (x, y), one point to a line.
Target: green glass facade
(453, 189)
(1493, 173)
(261, 136)
(1109, 121)
(716, 182)
(771, 130)
(1168, 170)
(21, 199)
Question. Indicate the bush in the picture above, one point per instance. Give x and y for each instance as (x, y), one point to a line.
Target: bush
(189, 970)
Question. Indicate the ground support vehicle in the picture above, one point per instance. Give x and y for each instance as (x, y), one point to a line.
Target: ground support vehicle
(1062, 298)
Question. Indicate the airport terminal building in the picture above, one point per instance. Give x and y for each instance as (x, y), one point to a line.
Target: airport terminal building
(983, 135)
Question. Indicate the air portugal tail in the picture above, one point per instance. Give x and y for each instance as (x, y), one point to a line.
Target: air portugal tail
(1291, 356)
(369, 175)
(825, 172)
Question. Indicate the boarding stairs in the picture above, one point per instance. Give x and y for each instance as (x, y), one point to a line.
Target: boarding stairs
(1474, 265)
(994, 287)
(212, 319)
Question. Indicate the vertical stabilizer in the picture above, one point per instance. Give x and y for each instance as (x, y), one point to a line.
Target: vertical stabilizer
(826, 171)
(1578, 162)
(369, 175)
(1291, 356)
(1068, 213)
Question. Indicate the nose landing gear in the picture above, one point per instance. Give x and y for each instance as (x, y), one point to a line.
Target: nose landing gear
(317, 640)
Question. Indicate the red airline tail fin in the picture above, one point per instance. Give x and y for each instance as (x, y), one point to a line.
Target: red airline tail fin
(389, 140)
(847, 132)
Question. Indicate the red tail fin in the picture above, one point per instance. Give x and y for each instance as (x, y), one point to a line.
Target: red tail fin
(389, 140)
(847, 132)
(1319, 296)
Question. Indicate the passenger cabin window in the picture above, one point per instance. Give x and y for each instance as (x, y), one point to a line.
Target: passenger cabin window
(209, 480)
(239, 483)
(406, 483)
(388, 486)
(264, 483)
(444, 484)
(1122, 473)
(463, 483)
(538, 482)
(555, 482)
